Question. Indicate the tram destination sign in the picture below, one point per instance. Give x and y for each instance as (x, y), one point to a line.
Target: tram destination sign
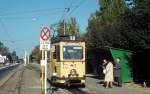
(45, 39)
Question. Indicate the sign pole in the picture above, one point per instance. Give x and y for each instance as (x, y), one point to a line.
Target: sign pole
(42, 67)
(42, 78)
(44, 46)
(42, 55)
(45, 72)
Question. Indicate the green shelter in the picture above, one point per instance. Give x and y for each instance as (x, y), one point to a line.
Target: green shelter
(126, 63)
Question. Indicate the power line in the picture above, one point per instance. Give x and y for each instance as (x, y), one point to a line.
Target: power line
(67, 10)
(5, 31)
(30, 11)
(29, 16)
(71, 3)
(77, 6)
(71, 7)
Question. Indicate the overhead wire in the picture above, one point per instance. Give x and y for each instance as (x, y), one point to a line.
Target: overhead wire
(5, 31)
(29, 11)
(29, 16)
(11, 16)
(72, 1)
(71, 7)
(77, 6)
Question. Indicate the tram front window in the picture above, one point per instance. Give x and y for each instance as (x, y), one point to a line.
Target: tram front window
(73, 52)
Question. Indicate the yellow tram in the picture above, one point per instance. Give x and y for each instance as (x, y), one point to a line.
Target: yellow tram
(67, 64)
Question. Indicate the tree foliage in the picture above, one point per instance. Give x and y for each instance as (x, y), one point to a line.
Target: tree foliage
(3, 49)
(36, 54)
(120, 26)
(70, 27)
(12, 56)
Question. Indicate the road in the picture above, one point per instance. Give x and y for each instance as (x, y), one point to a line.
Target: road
(22, 80)
(10, 81)
(26, 80)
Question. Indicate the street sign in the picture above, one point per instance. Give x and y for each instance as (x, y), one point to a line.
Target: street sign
(43, 62)
(45, 39)
(45, 34)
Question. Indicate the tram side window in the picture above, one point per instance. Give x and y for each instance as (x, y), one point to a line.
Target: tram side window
(72, 52)
(54, 55)
(54, 52)
(58, 53)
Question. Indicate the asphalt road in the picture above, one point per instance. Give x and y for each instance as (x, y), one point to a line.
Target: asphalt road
(10, 82)
(22, 80)
(4, 71)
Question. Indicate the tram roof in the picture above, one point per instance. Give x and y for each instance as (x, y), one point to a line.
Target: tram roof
(67, 39)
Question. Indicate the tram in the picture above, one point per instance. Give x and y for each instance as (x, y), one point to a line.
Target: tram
(67, 64)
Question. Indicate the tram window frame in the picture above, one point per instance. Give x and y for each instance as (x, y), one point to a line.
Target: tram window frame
(58, 53)
(48, 56)
(54, 51)
(74, 54)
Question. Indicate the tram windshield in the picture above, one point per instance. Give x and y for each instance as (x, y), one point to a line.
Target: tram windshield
(73, 52)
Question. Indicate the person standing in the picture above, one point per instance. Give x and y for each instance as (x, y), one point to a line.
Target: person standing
(108, 74)
(104, 70)
(117, 72)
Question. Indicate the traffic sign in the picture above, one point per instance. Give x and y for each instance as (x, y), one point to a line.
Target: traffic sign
(45, 33)
(45, 39)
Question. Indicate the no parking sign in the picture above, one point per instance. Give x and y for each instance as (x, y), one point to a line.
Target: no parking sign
(45, 39)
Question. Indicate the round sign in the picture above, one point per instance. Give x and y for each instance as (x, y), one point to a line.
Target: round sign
(45, 33)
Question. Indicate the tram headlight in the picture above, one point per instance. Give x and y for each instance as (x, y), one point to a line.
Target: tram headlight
(54, 74)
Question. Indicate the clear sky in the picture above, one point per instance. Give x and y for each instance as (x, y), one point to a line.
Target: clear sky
(21, 20)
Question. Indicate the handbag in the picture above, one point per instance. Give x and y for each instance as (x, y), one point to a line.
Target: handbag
(104, 71)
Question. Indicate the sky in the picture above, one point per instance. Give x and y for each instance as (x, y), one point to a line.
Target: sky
(21, 21)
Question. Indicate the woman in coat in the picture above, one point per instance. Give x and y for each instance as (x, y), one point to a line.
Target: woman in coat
(108, 74)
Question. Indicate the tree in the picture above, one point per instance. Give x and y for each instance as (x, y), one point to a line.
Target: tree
(71, 27)
(102, 25)
(3, 49)
(36, 54)
(136, 25)
(117, 25)
(61, 29)
(111, 9)
(14, 56)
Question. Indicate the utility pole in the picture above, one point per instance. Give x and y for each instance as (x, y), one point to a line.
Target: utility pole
(25, 57)
(28, 58)
(64, 19)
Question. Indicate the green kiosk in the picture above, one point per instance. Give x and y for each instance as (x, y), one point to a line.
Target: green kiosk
(126, 63)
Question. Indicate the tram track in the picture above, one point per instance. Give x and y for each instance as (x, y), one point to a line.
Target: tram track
(73, 90)
(80, 91)
(13, 84)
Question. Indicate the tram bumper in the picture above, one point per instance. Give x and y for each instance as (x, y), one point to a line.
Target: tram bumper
(74, 79)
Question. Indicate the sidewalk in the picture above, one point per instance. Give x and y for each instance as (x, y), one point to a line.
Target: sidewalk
(31, 80)
(94, 84)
